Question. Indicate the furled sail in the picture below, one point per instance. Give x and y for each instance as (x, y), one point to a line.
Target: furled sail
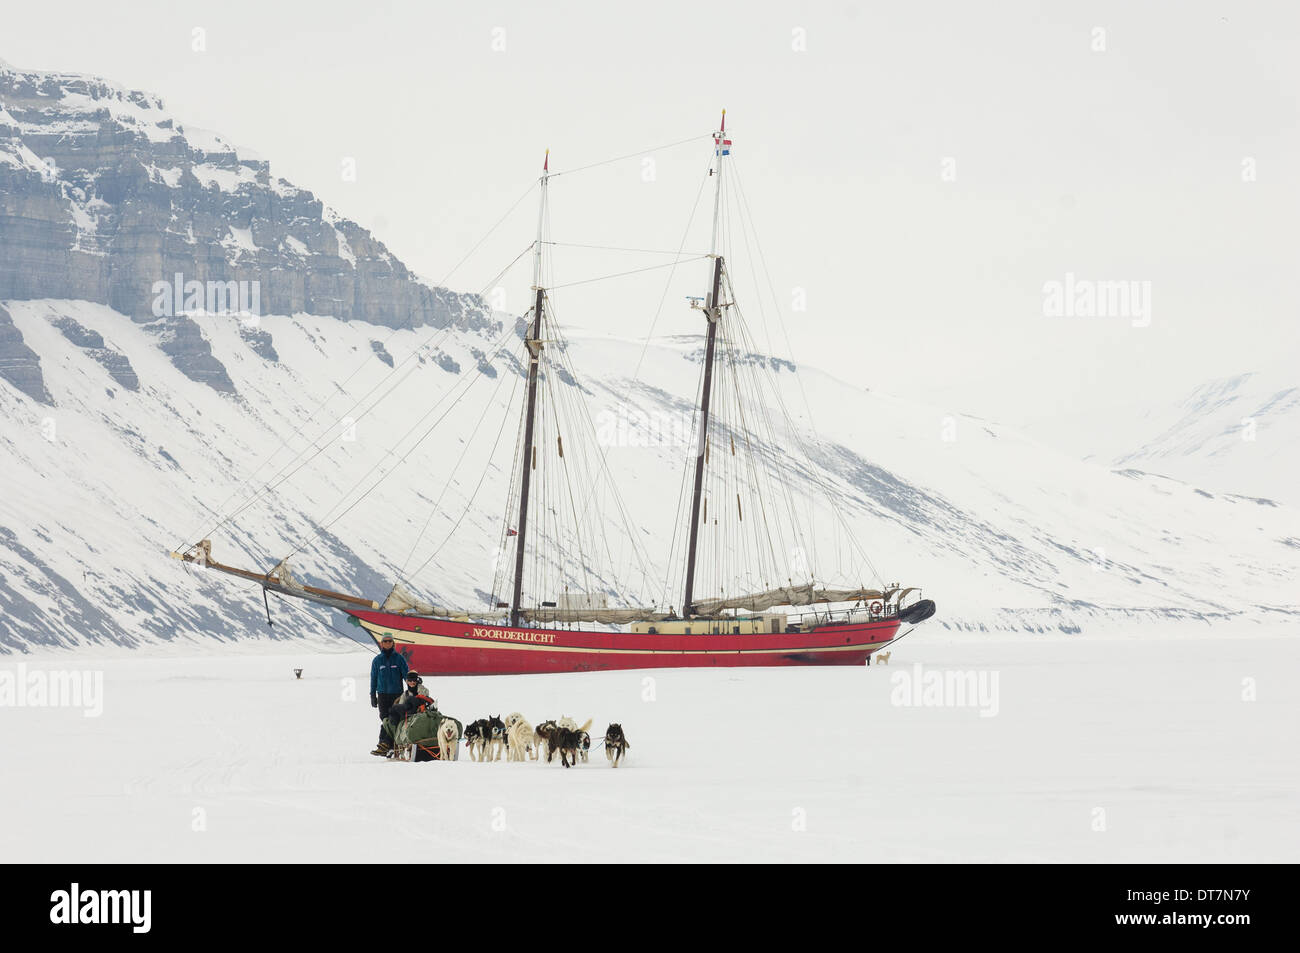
(285, 575)
(400, 599)
(784, 596)
(606, 616)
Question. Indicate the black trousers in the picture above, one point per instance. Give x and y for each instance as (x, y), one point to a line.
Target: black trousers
(385, 705)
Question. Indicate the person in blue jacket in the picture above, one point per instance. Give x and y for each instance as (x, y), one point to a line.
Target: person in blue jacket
(387, 676)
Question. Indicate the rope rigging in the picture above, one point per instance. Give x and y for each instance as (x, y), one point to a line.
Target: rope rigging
(568, 507)
(644, 251)
(630, 155)
(472, 379)
(772, 540)
(622, 274)
(320, 443)
(840, 519)
(342, 388)
(451, 476)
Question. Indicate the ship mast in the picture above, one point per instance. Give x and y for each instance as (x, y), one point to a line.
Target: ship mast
(534, 344)
(713, 312)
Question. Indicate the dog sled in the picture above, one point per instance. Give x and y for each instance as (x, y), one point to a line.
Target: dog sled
(419, 736)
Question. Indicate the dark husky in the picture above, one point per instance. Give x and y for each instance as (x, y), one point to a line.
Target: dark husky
(615, 743)
(567, 740)
(476, 737)
(495, 736)
(545, 733)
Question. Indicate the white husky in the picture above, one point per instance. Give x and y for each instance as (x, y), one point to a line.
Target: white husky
(571, 725)
(448, 738)
(522, 741)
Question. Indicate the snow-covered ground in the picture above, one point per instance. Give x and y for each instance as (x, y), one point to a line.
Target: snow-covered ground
(1100, 749)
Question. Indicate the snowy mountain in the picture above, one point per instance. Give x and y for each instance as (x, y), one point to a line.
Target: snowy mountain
(128, 435)
(106, 479)
(104, 194)
(1236, 434)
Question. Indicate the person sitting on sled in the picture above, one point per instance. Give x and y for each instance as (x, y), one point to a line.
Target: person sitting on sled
(415, 690)
(415, 699)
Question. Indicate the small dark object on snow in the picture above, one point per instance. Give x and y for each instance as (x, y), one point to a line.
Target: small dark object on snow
(297, 673)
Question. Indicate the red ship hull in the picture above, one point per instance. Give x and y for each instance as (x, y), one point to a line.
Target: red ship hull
(444, 647)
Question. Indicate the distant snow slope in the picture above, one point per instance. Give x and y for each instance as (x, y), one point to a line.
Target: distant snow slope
(1236, 434)
(99, 486)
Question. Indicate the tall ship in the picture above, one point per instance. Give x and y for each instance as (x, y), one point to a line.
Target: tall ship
(527, 627)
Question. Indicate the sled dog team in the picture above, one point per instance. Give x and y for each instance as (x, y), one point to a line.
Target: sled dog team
(410, 724)
(489, 738)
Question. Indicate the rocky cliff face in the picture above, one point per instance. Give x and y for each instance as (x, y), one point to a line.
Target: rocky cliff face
(92, 342)
(19, 364)
(104, 197)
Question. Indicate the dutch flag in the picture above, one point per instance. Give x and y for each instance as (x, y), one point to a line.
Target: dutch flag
(723, 146)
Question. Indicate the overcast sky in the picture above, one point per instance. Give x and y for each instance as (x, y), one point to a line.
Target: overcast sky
(920, 170)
